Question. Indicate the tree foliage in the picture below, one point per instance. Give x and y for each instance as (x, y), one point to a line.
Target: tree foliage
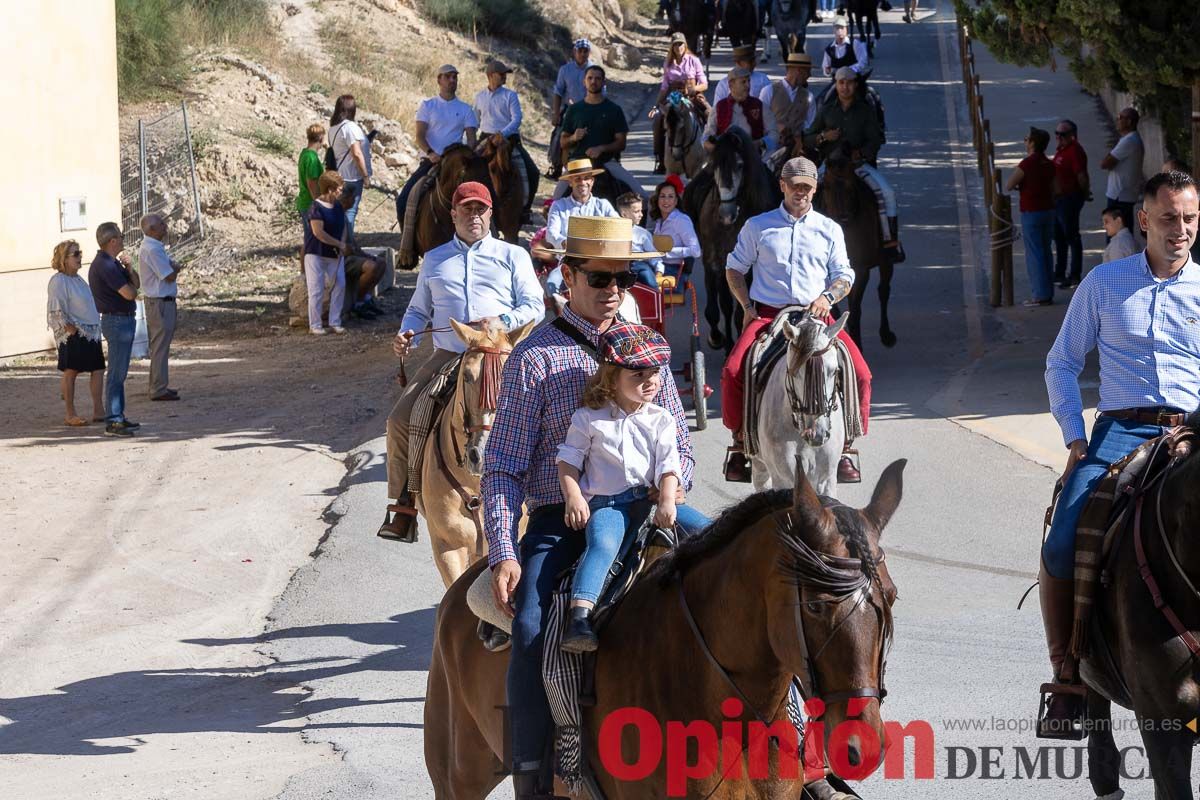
(1145, 47)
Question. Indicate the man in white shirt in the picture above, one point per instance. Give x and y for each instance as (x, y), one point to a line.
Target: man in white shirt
(1124, 165)
(499, 111)
(580, 176)
(745, 56)
(442, 120)
(790, 102)
(844, 51)
(158, 272)
(475, 279)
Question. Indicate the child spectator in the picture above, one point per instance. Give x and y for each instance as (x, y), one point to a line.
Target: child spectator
(1120, 239)
(325, 247)
(630, 206)
(310, 169)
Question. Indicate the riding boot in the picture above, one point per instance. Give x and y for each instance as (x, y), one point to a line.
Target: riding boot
(821, 790)
(1063, 712)
(402, 524)
(892, 245)
(579, 636)
(525, 785)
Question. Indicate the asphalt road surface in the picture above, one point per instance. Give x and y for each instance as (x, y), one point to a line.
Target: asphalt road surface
(355, 627)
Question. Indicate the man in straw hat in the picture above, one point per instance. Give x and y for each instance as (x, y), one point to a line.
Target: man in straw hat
(790, 102)
(746, 57)
(474, 279)
(799, 259)
(499, 111)
(581, 176)
(540, 390)
(844, 51)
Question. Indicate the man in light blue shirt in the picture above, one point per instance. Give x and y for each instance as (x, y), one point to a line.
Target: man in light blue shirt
(568, 89)
(581, 176)
(474, 279)
(158, 273)
(499, 111)
(1142, 314)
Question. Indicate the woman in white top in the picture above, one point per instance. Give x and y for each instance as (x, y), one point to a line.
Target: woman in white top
(619, 447)
(351, 154)
(72, 317)
(670, 221)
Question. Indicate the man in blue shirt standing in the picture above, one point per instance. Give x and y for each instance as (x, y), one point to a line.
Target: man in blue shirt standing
(115, 287)
(1141, 314)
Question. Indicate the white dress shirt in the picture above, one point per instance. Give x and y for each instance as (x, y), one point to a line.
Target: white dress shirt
(498, 111)
(615, 451)
(463, 283)
(839, 50)
(447, 120)
(566, 207)
(758, 82)
(794, 260)
(679, 227)
(154, 267)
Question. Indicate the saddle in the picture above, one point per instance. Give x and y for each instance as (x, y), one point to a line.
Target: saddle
(426, 416)
(408, 215)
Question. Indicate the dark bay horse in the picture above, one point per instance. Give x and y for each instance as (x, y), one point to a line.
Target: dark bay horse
(682, 128)
(864, 15)
(506, 187)
(783, 584)
(698, 23)
(1136, 657)
(735, 187)
(846, 199)
(740, 22)
(459, 164)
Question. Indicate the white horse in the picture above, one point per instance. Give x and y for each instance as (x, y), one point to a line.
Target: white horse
(799, 419)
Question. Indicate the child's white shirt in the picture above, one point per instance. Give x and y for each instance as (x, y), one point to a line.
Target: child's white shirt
(615, 451)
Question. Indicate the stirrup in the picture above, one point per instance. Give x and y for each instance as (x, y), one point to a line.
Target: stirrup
(1073, 726)
(494, 640)
(731, 465)
(391, 528)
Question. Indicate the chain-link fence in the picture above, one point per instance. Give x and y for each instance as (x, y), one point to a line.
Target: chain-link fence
(158, 176)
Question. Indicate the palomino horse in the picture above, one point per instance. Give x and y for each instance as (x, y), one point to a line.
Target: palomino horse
(846, 199)
(783, 584)
(684, 151)
(506, 187)
(743, 188)
(1141, 658)
(458, 165)
(453, 457)
(799, 423)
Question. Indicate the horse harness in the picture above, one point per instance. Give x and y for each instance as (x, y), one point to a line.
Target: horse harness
(813, 403)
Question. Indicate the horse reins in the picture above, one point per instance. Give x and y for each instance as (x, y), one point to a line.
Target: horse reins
(813, 403)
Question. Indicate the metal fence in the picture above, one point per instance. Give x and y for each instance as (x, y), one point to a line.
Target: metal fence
(158, 175)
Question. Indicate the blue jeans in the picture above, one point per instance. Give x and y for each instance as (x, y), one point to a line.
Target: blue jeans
(402, 201)
(118, 332)
(1112, 440)
(355, 188)
(1066, 235)
(1036, 227)
(645, 273)
(547, 549)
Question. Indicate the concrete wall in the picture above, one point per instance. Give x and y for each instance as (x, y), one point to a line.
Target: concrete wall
(59, 63)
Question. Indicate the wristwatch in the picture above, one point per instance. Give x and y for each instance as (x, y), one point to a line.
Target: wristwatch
(507, 320)
(830, 297)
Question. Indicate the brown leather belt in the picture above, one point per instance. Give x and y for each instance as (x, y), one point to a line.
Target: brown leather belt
(1148, 416)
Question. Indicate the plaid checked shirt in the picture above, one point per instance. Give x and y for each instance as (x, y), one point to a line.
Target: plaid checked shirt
(542, 383)
(1147, 332)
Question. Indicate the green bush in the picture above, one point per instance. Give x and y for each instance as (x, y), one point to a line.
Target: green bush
(272, 141)
(509, 19)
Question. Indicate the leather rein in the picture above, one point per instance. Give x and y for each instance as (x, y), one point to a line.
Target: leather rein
(809, 406)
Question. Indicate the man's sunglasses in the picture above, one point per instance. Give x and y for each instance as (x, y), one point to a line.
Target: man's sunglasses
(1062, 133)
(602, 279)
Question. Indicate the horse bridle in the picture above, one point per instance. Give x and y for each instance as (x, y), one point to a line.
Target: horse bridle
(806, 406)
(683, 148)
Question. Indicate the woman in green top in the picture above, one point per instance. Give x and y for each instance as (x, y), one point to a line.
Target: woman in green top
(310, 169)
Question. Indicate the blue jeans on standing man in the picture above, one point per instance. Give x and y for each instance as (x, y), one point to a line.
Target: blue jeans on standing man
(547, 549)
(352, 188)
(118, 331)
(1067, 238)
(1112, 440)
(1036, 227)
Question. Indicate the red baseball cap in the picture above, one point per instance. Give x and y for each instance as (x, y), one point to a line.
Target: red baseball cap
(472, 190)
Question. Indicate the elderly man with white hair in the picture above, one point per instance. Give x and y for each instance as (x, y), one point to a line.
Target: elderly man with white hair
(159, 273)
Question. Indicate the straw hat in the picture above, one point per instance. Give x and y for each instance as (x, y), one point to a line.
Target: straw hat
(800, 59)
(603, 239)
(579, 168)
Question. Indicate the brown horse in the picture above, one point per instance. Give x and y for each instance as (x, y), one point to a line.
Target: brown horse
(782, 584)
(458, 164)
(453, 457)
(851, 203)
(1137, 658)
(506, 187)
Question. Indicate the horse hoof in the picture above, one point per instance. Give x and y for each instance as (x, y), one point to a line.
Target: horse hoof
(888, 338)
(715, 340)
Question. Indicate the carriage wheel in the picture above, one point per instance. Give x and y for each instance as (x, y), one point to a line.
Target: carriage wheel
(699, 395)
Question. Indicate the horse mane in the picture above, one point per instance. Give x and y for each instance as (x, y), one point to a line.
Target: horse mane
(724, 530)
(760, 192)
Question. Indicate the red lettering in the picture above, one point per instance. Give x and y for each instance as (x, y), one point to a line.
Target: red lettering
(869, 749)
(759, 750)
(649, 746)
(731, 738)
(922, 736)
(679, 768)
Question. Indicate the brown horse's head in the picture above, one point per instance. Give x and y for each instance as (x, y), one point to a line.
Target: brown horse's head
(840, 196)
(459, 164)
(499, 161)
(479, 384)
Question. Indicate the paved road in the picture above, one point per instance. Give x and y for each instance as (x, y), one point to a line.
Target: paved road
(355, 627)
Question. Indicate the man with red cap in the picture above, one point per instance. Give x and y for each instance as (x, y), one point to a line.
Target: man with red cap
(474, 278)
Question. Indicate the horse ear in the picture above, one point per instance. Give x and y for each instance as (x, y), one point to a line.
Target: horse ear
(790, 331)
(806, 505)
(887, 495)
(517, 334)
(835, 327)
(464, 332)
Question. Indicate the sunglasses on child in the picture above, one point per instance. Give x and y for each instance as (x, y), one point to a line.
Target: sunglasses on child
(602, 279)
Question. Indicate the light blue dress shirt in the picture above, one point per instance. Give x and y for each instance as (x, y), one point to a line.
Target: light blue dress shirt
(794, 260)
(498, 111)
(463, 283)
(569, 83)
(154, 267)
(1147, 333)
(566, 207)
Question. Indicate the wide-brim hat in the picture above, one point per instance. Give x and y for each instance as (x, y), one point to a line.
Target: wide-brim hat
(579, 168)
(603, 239)
(800, 59)
(745, 51)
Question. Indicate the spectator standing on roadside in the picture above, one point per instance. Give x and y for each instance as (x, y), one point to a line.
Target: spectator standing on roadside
(325, 236)
(158, 273)
(72, 317)
(351, 153)
(114, 288)
(1072, 186)
(310, 169)
(1124, 166)
(1120, 239)
(1035, 177)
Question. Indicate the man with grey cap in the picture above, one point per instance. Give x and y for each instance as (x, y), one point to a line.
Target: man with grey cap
(799, 259)
(499, 111)
(739, 109)
(746, 56)
(442, 120)
(852, 123)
